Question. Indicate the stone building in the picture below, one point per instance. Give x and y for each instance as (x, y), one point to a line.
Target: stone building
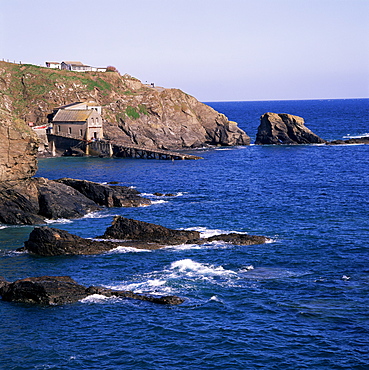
(80, 121)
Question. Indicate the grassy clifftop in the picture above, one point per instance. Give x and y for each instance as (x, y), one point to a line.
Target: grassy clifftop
(132, 112)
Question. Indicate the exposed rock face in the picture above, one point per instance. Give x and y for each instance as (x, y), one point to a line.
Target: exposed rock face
(57, 290)
(30, 201)
(173, 120)
(284, 129)
(47, 241)
(108, 196)
(18, 150)
(128, 229)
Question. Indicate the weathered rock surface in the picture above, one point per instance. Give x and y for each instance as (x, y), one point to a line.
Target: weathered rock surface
(284, 129)
(58, 290)
(106, 195)
(47, 241)
(18, 149)
(30, 201)
(129, 229)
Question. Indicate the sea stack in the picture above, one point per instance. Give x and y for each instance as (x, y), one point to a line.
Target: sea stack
(284, 128)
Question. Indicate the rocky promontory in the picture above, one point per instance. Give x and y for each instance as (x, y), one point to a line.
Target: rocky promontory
(133, 113)
(284, 129)
(31, 201)
(58, 290)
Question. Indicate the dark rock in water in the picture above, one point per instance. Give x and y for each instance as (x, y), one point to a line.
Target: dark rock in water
(48, 241)
(105, 195)
(284, 129)
(44, 290)
(129, 229)
(57, 290)
(57, 200)
(238, 239)
(30, 201)
(356, 140)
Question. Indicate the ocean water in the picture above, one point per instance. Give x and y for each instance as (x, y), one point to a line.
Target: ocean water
(298, 302)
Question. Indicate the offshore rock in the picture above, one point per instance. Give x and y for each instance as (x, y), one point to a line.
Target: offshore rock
(129, 229)
(239, 239)
(133, 230)
(48, 241)
(351, 141)
(108, 196)
(58, 290)
(284, 129)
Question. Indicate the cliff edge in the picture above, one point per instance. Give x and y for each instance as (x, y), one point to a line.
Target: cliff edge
(133, 113)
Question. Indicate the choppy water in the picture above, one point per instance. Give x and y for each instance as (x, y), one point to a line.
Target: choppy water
(300, 301)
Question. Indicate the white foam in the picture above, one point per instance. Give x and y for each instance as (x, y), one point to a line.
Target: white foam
(160, 201)
(348, 136)
(207, 233)
(3, 227)
(192, 268)
(98, 298)
(97, 214)
(58, 221)
(121, 249)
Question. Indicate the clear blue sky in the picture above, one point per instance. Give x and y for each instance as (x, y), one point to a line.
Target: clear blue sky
(215, 50)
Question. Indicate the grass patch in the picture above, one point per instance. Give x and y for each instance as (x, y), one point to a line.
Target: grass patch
(132, 113)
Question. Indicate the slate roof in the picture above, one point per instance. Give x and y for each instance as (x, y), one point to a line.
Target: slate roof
(76, 64)
(72, 115)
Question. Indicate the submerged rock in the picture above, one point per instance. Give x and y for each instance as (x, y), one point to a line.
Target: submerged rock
(57, 290)
(284, 129)
(352, 141)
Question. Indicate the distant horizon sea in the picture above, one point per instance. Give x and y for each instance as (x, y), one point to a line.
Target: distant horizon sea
(299, 301)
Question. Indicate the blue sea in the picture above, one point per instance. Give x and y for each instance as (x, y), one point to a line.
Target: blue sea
(298, 302)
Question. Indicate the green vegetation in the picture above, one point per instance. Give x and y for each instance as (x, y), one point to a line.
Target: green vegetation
(132, 113)
(143, 109)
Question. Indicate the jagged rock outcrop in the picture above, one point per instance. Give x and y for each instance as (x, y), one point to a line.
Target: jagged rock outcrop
(129, 229)
(284, 129)
(47, 241)
(59, 290)
(133, 112)
(31, 201)
(105, 195)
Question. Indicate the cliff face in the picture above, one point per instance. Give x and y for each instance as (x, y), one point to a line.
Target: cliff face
(133, 112)
(18, 149)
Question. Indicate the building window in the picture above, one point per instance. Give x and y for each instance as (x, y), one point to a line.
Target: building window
(97, 120)
(80, 132)
(69, 130)
(59, 128)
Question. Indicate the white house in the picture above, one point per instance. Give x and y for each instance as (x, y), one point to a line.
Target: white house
(56, 65)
